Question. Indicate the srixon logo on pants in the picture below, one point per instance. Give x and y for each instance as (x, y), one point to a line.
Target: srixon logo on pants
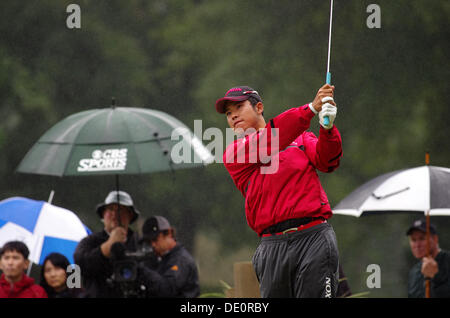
(327, 287)
(106, 160)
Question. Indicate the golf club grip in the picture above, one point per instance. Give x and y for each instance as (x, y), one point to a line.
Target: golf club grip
(326, 120)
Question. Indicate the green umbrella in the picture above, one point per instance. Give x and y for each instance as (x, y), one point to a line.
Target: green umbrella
(115, 140)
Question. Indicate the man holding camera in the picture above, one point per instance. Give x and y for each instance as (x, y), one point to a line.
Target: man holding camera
(175, 274)
(94, 253)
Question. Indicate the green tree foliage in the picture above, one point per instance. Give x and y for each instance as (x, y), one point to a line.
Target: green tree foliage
(180, 56)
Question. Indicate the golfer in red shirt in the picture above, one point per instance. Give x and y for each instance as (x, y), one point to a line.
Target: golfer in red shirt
(274, 166)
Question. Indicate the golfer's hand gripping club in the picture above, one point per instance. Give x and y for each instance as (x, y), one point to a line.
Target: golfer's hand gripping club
(326, 119)
(329, 112)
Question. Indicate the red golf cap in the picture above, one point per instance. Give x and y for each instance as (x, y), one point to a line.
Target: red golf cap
(236, 94)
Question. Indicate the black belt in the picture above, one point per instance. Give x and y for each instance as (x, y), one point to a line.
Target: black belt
(287, 224)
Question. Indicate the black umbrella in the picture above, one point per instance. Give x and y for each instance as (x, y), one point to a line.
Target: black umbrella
(424, 189)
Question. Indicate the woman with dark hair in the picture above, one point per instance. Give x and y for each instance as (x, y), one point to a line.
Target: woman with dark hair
(54, 277)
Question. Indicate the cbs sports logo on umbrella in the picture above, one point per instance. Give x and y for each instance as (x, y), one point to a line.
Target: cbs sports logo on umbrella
(104, 160)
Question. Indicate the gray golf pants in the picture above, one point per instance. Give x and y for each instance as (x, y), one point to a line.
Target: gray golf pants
(303, 264)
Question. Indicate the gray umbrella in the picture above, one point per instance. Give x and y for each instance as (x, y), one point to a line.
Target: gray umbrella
(115, 140)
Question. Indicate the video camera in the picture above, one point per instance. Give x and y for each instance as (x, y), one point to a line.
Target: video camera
(126, 269)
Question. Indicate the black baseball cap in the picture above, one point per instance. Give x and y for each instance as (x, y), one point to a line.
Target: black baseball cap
(153, 226)
(236, 94)
(421, 225)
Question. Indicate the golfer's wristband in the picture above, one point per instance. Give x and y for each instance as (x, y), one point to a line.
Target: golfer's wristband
(312, 109)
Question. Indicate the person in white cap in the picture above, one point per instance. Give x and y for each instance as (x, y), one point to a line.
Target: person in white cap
(93, 253)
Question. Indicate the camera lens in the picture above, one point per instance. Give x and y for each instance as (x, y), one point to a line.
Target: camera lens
(126, 273)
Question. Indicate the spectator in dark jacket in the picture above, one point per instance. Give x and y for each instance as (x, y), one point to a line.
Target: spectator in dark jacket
(93, 253)
(434, 267)
(14, 283)
(176, 274)
(54, 277)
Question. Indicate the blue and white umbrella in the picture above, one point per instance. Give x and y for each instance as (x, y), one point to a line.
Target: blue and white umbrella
(43, 227)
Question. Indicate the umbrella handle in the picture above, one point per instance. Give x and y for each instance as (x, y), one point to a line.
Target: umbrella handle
(33, 252)
(427, 281)
(50, 198)
(118, 200)
(29, 268)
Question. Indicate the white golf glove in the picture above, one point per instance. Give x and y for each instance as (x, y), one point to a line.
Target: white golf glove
(327, 110)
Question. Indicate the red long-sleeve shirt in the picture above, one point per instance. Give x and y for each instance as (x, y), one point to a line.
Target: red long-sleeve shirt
(25, 288)
(280, 185)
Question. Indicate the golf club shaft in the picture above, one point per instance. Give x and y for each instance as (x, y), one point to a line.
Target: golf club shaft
(326, 120)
